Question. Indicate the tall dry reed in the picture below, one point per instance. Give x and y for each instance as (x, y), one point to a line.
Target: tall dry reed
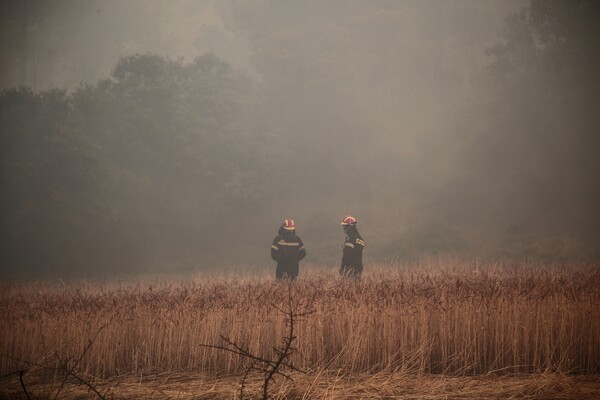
(447, 317)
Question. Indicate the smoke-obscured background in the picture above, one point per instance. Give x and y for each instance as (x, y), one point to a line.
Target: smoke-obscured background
(177, 135)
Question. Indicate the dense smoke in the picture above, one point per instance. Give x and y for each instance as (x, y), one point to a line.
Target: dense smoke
(147, 135)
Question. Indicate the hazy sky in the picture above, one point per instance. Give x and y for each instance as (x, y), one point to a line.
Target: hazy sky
(64, 43)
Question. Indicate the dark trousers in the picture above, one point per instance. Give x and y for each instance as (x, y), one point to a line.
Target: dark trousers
(286, 272)
(350, 271)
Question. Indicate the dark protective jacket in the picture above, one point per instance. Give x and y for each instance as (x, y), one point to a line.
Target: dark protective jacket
(287, 249)
(352, 254)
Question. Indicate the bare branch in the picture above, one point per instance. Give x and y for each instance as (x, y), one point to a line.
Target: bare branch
(66, 362)
(86, 383)
(270, 368)
(21, 373)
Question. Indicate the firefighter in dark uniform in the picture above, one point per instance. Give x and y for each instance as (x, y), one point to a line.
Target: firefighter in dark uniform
(354, 244)
(287, 250)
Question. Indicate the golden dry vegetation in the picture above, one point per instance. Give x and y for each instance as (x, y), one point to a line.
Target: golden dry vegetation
(445, 328)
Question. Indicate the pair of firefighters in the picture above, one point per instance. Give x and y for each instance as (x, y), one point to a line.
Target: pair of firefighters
(288, 250)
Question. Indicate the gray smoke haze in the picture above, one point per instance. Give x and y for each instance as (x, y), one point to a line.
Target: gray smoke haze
(178, 135)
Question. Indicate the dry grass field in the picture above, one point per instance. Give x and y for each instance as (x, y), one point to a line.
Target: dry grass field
(437, 329)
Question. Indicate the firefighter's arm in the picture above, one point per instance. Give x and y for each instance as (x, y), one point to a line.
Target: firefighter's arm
(347, 254)
(301, 250)
(275, 249)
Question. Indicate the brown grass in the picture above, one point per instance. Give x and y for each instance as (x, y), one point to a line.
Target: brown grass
(327, 385)
(446, 317)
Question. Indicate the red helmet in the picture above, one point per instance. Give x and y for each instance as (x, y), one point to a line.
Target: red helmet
(349, 220)
(289, 225)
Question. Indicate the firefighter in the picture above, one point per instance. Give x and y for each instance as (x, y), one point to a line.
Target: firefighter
(287, 250)
(354, 244)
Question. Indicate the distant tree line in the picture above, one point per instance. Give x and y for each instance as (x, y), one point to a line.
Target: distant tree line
(146, 164)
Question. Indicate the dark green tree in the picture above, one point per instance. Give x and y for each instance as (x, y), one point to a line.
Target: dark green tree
(534, 156)
(149, 167)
